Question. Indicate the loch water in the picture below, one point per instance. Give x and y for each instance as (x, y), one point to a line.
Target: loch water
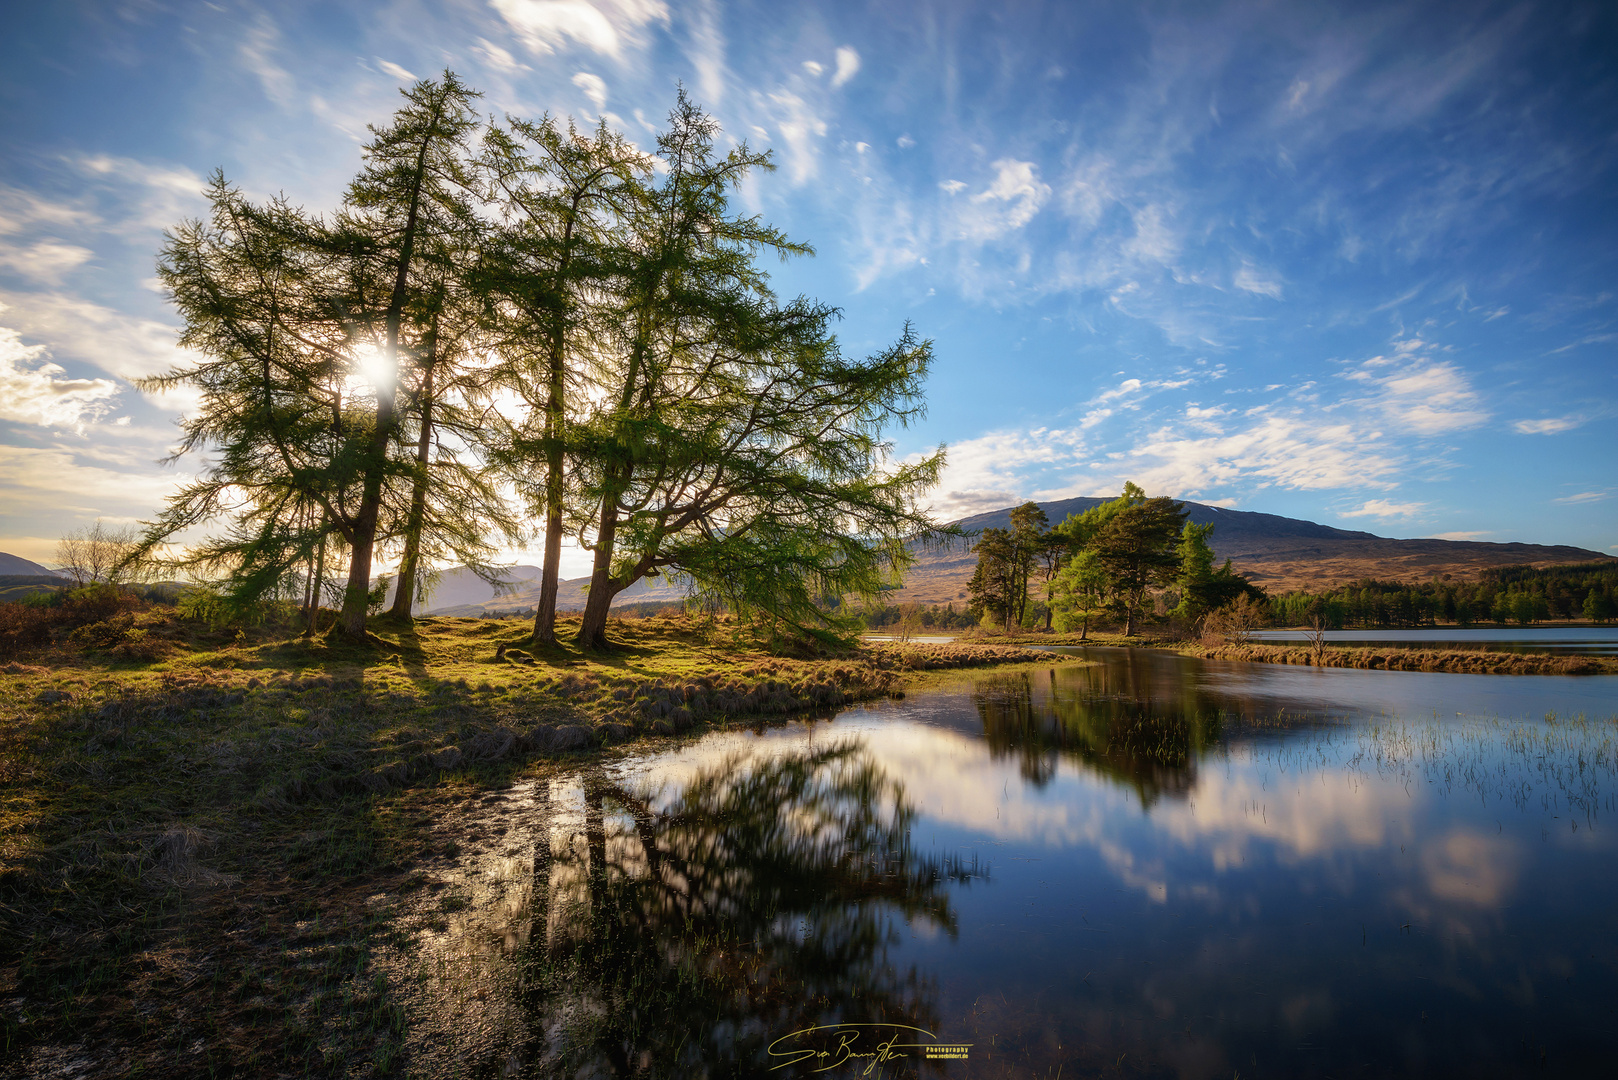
(1141, 865)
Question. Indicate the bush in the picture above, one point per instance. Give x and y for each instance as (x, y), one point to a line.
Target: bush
(23, 626)
(94, 603)
(32, 623)
(221, 611)
(1234, 622)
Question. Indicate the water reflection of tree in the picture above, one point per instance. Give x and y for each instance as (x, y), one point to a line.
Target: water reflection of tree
(682, 942)
(1149, 741)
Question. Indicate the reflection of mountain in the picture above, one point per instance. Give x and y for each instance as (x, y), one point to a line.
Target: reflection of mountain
(1133, 733)
(683, 942)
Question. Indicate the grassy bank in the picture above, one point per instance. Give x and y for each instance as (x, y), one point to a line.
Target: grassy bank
(1464, 661)
(194, 834)
(1479, 661)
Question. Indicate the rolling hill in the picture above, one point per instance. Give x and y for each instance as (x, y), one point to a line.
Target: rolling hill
(17, 566)
(461, 592)
(1279, 553)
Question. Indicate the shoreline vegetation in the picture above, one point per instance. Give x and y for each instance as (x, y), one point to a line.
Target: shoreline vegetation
(1378, 656)
(193, 848)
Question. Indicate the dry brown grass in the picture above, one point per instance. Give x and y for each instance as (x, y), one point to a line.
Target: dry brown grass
(1472, 661)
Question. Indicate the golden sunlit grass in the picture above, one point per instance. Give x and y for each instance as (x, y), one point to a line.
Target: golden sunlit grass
(194, 823)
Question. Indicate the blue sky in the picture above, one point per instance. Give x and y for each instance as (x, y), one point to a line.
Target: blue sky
(1354, 263)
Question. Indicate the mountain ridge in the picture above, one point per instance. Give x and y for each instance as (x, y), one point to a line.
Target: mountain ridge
(1281, 554)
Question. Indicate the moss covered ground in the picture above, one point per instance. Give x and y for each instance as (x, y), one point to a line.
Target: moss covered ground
(195, 824)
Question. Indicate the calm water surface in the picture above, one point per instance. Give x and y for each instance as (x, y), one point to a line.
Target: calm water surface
(1579, 640)
(1148, 867)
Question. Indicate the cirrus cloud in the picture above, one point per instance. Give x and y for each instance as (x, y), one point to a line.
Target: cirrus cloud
(33, 391)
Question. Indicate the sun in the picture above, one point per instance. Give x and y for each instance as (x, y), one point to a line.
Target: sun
(373, 368)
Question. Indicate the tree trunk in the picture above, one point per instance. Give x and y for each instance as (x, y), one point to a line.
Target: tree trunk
(550, 572)
(551, 567)
(404, 598)
(320, 577)
(309, 577)
(593, 628)
(357, 597)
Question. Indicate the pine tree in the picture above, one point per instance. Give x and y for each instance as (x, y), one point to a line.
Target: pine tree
(553, 274)
(1137, 549)
(320, 343)
(736, 447)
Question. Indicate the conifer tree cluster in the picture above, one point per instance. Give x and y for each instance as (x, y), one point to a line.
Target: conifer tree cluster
(514, 328)
(1103, 562)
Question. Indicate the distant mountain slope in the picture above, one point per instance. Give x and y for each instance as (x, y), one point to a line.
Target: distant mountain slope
(458, 587)
(461, 592)
(16, 565)
(1279, 553)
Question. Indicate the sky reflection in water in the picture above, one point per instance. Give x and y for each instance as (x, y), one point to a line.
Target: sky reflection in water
(1148, 867)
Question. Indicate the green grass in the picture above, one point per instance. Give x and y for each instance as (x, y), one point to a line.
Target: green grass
(190, 845)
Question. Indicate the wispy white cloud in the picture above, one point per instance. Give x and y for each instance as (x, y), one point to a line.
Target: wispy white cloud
(33, 390)
(801, 127)
(1584, 497)
(118, 343)
(1123, 389)
(1387, 508)
(1469, 534)
(594, 87)
(149, 197)
(25, 211)
(1418, 394)
(388, 67)
(1249, 279)
(497, 58)
(1549, 426)
(989, 472)
(705, 48)
(43, 261)
(1283, 451)
(848, 65)
(257, 52)
(604, 26)
(54, 486)
(1007, 203)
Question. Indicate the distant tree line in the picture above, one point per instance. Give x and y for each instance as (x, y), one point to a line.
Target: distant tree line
(1520, 595)
(1114, 561)
(513, 328)
(919, 616)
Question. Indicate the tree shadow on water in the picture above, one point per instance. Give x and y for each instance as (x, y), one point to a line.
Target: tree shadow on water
(689, 939)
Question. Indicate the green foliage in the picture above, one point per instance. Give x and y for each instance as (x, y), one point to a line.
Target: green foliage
(222, 609)
(1503, 596)
(1137, 548)
(378, 595)
(680, 419)
(1006, 559)
(1080, 592)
